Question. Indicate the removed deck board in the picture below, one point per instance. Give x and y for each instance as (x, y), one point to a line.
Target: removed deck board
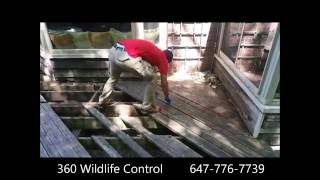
(105, 146)
(117, 131)
(76, 109)
(194, 124)
(56, 138)
(168, 144)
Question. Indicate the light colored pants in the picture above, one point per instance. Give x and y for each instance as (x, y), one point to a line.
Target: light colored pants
(120, 61)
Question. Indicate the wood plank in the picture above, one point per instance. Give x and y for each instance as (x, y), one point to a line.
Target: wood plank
(206, 146)
(69, 137)
(270, 130)
(270, 124)
(47, 144)
(76, 109)
(169, 145)
(218, 138)
(271, 139)
(204, 115)
(81, 96)
(117, 131)
(54, 135)
(88, 142)
(85, 122)
(71, 96)
(77, 147)
(79, 59)
(204, 118)
(144, 120)
(272, 118)
(88, 73)
(58, 86)
(80, 73)
(43, 152)
(42, 100)
(53, 143)
(105, 146)
(82, 79)
(186, 46)
(244, 145)
(80, 64)
(186, 34)
(216, 135)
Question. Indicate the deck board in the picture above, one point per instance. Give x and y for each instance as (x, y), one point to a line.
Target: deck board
(125, 138)
(56, 138)
(43, 152)
(202, 124)
(106, 147)
(167, 144)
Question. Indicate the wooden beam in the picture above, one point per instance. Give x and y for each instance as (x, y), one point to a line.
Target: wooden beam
(169, 145)
(271, 139)
(270, 130)
(60, 86)
(82, 79)
(69, 96)
(79, 59)
(186, 34)
(105, 146)
(81, 96)
(80, 73)
(84, 122)
(76, 109)
(117, 131)
(80, 64)
(88, 141)
(88, 73)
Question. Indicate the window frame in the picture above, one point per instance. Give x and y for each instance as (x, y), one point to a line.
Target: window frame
(262, 96)
(137, 30)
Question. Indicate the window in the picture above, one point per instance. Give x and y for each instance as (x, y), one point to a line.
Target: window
(151, 32)
(87, 35)
(247, 45)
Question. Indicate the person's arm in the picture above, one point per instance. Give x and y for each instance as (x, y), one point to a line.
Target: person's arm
(164, 85)
(165, 88)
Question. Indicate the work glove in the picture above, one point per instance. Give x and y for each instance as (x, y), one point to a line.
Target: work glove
(167, 100)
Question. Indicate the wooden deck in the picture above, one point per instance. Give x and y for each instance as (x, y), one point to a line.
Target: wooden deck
(55, 138)
(213, 134)
(193, 125)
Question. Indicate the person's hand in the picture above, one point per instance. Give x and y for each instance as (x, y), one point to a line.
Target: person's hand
(167, 100)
